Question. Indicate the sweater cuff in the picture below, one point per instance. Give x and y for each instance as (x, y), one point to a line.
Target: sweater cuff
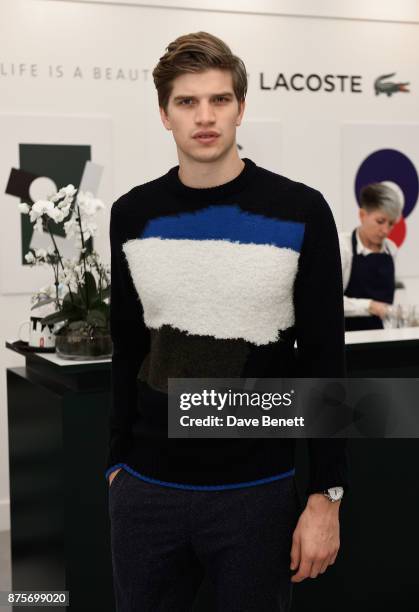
(324, 476)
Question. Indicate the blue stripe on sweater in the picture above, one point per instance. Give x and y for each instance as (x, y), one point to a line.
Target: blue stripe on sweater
(177, 485)
(230, 223)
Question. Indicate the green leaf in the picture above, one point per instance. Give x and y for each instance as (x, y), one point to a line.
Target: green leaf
(77, 300)
(96, 318)
(54, 317)
(90, 282)
(106, 292)
(67, 312)
(77, 324)
(42, 303)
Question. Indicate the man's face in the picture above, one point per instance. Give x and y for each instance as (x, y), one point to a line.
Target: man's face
(376, 225)
(203, 113)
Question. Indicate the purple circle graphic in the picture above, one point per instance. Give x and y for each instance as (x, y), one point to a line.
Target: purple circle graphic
(390, 165)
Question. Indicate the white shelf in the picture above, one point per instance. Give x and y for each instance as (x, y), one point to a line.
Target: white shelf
(382, 335)
(53, 358)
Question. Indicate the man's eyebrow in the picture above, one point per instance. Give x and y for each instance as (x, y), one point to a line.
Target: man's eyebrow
(183, 97)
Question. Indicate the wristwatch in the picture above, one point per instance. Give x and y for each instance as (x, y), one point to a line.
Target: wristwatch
(334, 493)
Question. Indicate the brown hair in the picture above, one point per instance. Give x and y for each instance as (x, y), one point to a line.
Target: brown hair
(197, 52)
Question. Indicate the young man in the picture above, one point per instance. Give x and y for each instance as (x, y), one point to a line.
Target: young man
(214, 266)
(368, 259)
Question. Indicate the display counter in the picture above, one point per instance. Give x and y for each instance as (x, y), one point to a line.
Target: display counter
(392, 353)
(58, 413)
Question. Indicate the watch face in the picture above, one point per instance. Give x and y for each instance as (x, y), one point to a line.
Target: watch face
(336, 492)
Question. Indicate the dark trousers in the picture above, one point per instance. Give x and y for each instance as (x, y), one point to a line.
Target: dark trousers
(164, 540)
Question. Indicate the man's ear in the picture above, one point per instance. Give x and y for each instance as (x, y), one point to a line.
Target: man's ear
(362, 214)
(165, 118)
(242, 106)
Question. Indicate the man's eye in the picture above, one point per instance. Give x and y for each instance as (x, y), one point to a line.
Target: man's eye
(222, 98)
(185, 100)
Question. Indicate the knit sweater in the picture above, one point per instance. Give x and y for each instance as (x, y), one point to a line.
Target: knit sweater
(218, 283)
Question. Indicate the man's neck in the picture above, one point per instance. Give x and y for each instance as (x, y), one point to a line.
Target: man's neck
(201, 175)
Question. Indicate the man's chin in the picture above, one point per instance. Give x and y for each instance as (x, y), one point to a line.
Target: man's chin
(206, 155)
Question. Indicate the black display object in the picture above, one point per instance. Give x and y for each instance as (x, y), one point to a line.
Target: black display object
(58, 433)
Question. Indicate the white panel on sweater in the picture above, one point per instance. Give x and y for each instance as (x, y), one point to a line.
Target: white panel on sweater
(214, 288)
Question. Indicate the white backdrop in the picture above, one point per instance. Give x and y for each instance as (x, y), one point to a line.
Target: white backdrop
(72, 58)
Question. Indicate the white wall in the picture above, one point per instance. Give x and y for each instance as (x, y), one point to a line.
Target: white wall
(68, 34)
(379, 10)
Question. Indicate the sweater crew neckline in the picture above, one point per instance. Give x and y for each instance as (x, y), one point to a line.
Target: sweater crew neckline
(232, 187)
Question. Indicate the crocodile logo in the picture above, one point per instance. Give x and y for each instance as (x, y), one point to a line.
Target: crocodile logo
(381, 85)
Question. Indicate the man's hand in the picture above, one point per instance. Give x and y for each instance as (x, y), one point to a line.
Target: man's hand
(112, 475)
(380, 309)
(315, 541)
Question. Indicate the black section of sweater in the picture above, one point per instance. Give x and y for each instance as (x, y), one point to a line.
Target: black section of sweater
(220, 282)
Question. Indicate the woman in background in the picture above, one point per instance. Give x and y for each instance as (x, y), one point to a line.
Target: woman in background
(368, 259)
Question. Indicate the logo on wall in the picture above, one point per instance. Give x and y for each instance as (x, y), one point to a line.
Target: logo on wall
(391, 165)
(343, 83)
(329, 83)
(382, 85)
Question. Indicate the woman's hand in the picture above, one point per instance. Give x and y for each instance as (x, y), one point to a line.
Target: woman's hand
(380, 309)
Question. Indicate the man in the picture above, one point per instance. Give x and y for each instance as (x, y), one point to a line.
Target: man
(213, 268)
(368, 259)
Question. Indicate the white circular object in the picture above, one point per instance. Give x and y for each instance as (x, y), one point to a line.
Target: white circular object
(41, 188)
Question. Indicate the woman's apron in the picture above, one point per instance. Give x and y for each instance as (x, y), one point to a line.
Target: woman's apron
(372, 277)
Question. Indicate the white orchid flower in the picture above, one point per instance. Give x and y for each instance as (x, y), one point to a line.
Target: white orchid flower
(56, 214)
(69, 190)
(80, 226)
(38, 226)
(39, 208)
(90, 206)
(23, 207)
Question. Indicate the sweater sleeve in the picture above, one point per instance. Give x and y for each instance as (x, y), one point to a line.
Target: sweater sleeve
(131, 342)
(320, 333)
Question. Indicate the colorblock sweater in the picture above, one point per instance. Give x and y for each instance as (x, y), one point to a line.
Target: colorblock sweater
(218, 283)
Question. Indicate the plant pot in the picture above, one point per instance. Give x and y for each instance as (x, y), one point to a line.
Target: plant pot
(80, 341)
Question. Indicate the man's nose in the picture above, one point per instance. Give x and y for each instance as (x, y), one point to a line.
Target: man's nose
(204, 113)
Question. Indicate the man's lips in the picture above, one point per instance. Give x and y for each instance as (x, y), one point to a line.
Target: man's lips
(206, 137)
(204, 133)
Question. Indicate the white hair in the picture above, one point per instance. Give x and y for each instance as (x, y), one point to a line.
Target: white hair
(377, 196)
